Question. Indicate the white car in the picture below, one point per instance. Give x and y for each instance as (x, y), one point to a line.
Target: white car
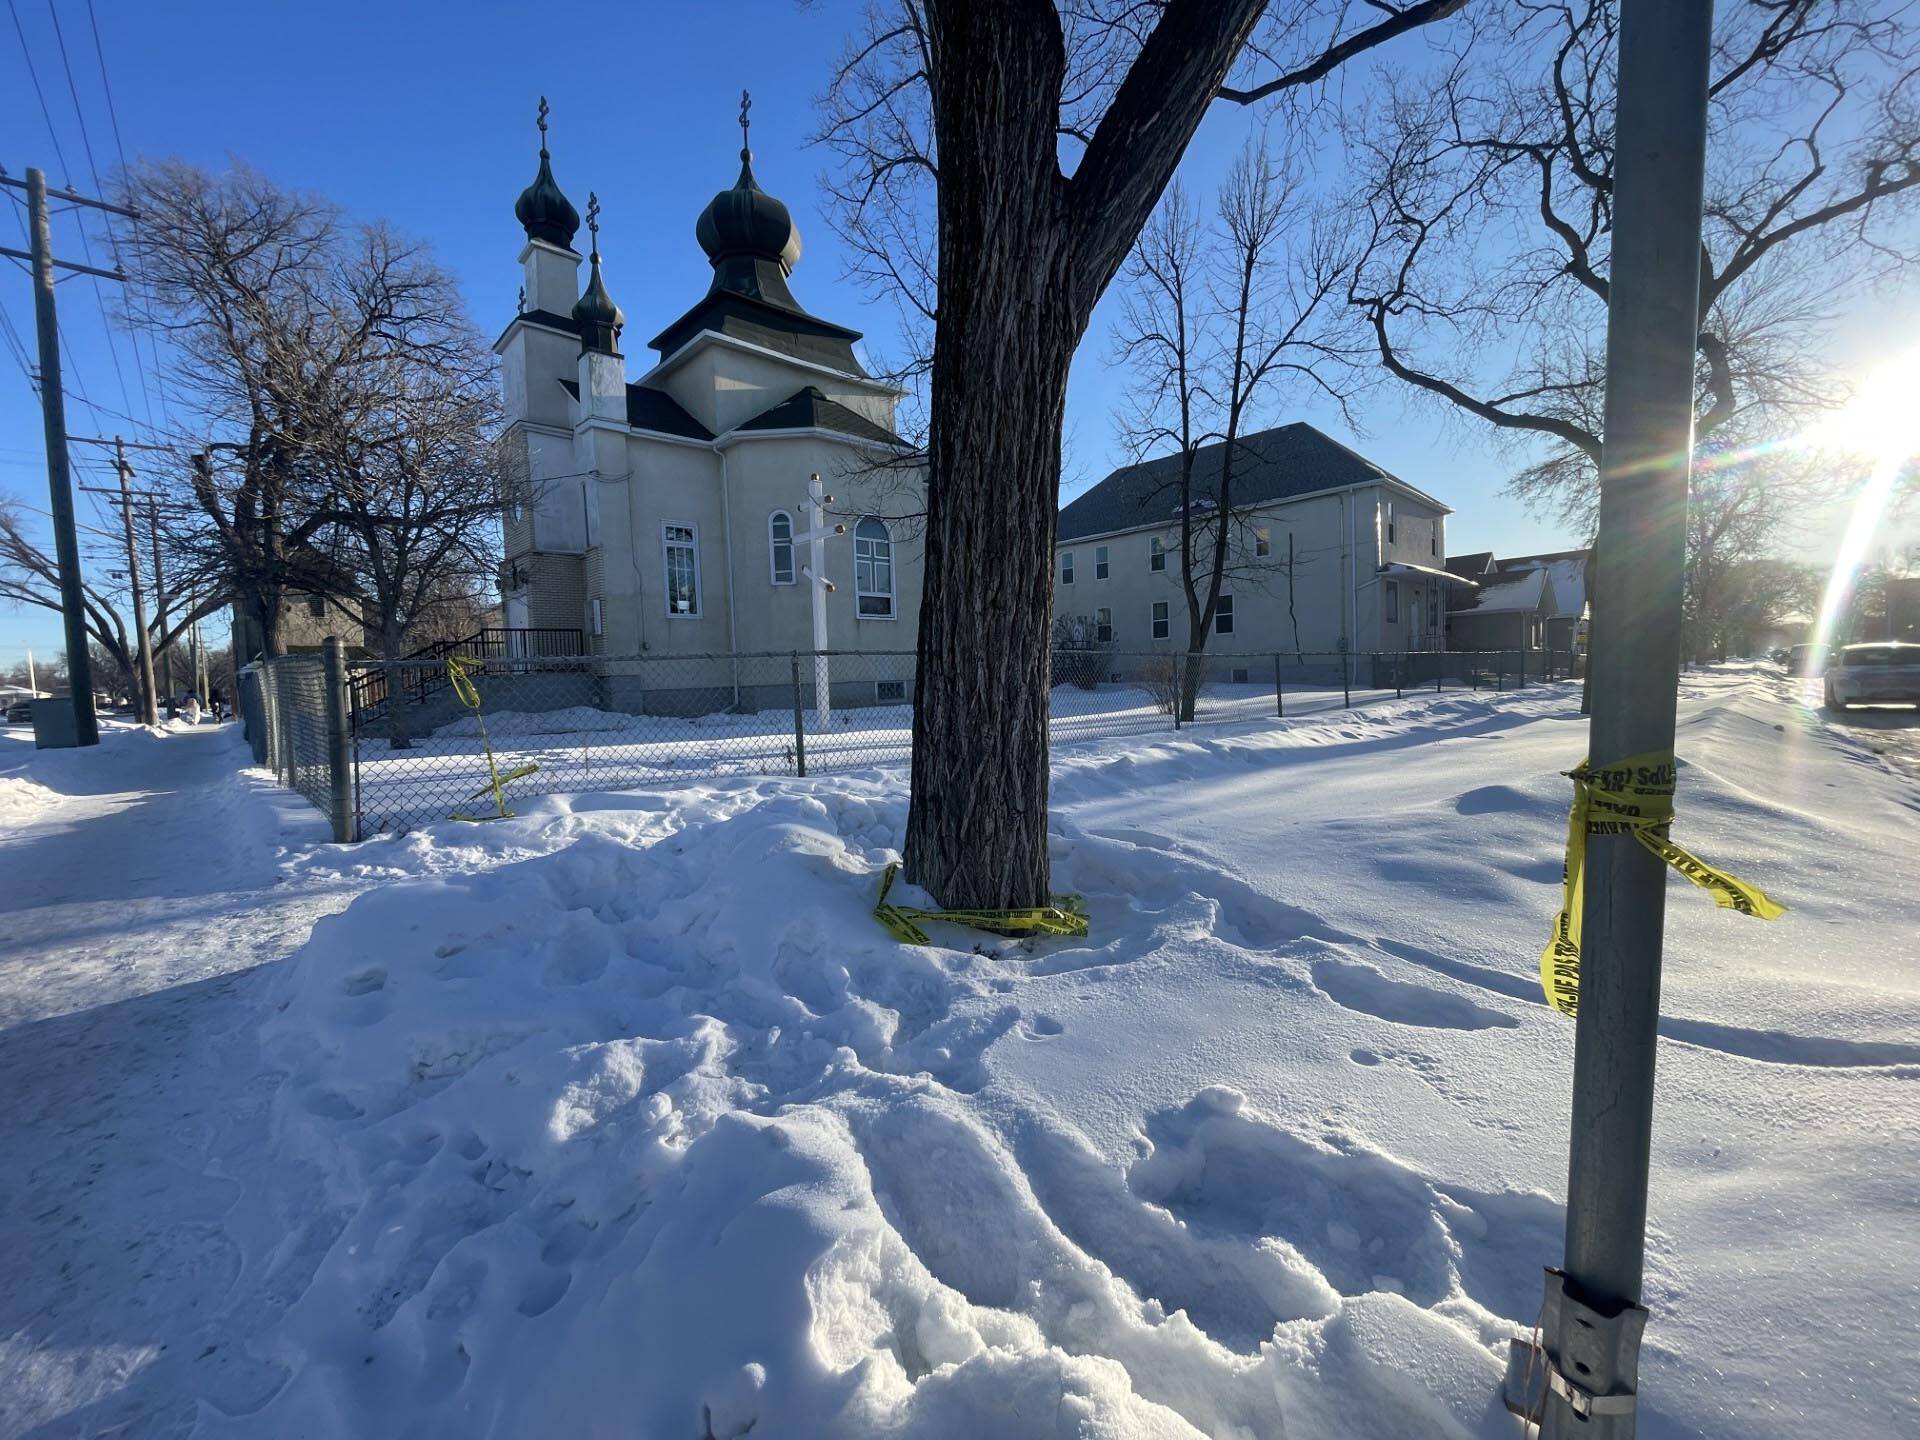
(1885, 672)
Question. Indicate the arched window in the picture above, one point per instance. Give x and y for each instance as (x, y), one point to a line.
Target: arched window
(873, 569)
(780, 546)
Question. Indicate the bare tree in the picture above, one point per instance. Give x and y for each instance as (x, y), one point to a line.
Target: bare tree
(237, 270)
(401, 454)
(342, 440)
(1218, 320)
(1488, 222)
(972, 103)
(31, 576)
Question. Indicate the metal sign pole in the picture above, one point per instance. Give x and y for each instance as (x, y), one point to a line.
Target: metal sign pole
(1593, 1318)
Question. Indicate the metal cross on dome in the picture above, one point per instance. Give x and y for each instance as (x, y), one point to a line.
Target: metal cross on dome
(746, 104)
(593, 215)
(542, 123)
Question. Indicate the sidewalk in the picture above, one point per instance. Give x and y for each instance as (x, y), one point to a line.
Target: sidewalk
(141, 905)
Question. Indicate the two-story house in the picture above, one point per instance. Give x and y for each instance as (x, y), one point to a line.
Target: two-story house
(1328, 552)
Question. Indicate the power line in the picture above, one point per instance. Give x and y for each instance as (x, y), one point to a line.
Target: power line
(86, 143)
(26, 53)
(119, 149)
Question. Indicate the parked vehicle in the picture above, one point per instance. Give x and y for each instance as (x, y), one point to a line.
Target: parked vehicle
(1807, 659)
(1885, 672)
(20, 712)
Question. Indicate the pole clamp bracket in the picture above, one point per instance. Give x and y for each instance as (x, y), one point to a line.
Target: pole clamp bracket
(1586, 1354)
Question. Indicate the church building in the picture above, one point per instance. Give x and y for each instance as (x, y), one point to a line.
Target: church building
(667, 514)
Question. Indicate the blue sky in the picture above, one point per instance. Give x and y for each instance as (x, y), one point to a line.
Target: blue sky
(423, 113)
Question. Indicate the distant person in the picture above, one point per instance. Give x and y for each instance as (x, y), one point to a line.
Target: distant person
(219, 704)
(191, 708)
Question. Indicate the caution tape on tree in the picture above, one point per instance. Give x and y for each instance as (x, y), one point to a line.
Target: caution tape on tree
(1067, 915)
(1630, 797)
(465, 692)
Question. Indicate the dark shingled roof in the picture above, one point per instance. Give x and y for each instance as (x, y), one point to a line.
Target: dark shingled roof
(811, 410)
(1471, 567)
(758, 321)
(1272, 465)
(543, 317)
(650, 409)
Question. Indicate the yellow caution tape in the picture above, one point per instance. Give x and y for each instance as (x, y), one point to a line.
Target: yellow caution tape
(467, 695)
(1067, 915)
(1633, 797)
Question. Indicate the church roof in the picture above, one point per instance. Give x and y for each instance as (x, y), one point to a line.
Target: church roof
(542, 210)
(1273, 465)
(752, 243)
(809, 409)
(650, 409)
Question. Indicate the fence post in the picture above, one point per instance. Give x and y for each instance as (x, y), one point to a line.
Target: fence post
(1279, 695)
(1399, 673)
(1439, 670)
(799, 723)
(288, 763)
(339, 742)
(1346, 679)
(1523, 668)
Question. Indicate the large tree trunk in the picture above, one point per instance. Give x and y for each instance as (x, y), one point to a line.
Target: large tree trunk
(393, 646)
(1024, 255)
(977, 827)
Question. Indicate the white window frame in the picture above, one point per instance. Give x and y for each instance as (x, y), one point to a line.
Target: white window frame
(860, 593)
(1066, 567)
(1156, 555)
(1102, 562)
(1223, 611)
(1103, 627)
(596, 616)
(666, 567)
(1262, 540)
(774, 542)
(1160, 618)
(1390, 597)
(1390, 529)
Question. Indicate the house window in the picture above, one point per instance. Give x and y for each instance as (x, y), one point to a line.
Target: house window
(1433, 609)
(1239, 673)
(1389, 522)
(1433, 539)
(889, 691)
(1103, 625)
(1066, 567)
(681, 552)
(317, 606)
(1156, 555)
(1159, 619)
(1262, 540)
(1099, 562)
(780, 546)
(596, 616)
(1223, 616)
(1392, 590)
(873, 569)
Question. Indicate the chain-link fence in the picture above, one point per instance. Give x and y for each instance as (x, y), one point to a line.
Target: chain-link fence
(284, 703)
(412, 747)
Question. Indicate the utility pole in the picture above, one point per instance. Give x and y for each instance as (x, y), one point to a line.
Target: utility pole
(160, 601)
(149, 712)
(1593, 1317)
(53, 414)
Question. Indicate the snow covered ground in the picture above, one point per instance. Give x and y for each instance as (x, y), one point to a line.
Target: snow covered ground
(624, 1117)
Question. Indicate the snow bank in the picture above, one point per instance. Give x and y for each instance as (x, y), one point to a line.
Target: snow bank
(625, 1116)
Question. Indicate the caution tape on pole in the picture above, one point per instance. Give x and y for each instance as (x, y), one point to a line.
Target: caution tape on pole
(465, 692)
(1630, 797)
(1067, 915)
